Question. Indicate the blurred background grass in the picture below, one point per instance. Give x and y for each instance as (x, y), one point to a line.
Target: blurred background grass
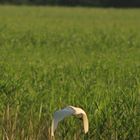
(51, 57)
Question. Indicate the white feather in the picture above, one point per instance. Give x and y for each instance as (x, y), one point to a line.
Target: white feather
(68, 111)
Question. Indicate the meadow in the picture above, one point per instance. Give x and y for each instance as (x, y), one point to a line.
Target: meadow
(52, 57)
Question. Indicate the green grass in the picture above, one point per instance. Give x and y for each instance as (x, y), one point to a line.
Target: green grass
(51, 57)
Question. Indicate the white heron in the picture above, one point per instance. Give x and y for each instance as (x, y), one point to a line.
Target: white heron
(68, 111)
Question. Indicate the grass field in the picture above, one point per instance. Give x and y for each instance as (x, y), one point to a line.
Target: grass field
(52, 57)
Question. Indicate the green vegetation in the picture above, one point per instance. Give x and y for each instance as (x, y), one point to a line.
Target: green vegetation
(54, 57)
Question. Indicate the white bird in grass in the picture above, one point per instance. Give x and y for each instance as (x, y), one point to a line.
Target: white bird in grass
(68, 111)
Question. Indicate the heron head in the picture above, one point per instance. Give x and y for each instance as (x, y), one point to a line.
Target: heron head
(79, 116)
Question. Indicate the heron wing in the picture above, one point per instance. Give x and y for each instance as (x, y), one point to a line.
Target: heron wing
(60, 115)
(79, 111)
(85, 122)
